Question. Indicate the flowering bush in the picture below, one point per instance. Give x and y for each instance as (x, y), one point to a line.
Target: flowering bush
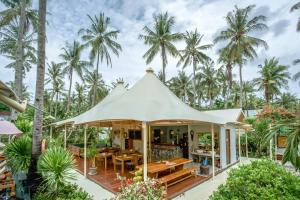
(141, 190)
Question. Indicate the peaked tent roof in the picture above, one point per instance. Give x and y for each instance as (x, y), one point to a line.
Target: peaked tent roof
(116, 92)
(148, 100)
(8, 128)
(231, 115)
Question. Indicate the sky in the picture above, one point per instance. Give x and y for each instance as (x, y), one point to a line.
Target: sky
(66, 17)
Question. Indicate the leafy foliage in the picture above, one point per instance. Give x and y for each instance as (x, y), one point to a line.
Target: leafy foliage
(262, 180)
(18, 154)
(55, 166)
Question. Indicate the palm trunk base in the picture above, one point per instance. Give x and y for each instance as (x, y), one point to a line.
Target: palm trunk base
(34, 179)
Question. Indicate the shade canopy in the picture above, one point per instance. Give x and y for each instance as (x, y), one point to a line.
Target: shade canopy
(8, 128)
(114, 94)
(231, 115)
(149, 100)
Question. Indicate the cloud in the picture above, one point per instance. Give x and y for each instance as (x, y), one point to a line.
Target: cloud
(280, 27)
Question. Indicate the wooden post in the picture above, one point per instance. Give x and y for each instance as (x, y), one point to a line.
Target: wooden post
(149, 139)
(275, 140)
(213, 150)
(145, 130)
(246, 145)
(51, 131)
(65, 137)
(271, 154)
(84, 149)
(239, 135)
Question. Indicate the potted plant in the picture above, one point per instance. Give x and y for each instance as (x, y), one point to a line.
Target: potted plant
(91, 156)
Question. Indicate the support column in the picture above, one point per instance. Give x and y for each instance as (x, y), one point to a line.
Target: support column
(223, 147)
(213, 150)
(122, 139)
(84, 148)
(246, 144)
(145, 134)
(275, 140)
(51, 131)
(239, 135)
(271, 153)
(190, 142)
(149, 139)
(65, 137)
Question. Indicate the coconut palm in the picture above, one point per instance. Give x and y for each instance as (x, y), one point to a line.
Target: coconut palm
(95, 81)
(287, 100)
(181, 85)
(119, 80)
(34, 178)
(58, 90)
(72, 63)
(193, 54)
(80, 95)
(209, 77)
(273, 77)
(102, 40)
(56, 166)
(21, 11)
(241, 45)
(296, 76)
(248, 89)
(55, 77)
(161, 40)
(293, 8)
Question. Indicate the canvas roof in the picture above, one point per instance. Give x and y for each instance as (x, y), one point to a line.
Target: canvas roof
(8, 128)
(148, 100)
(231, 115)
(115, 93)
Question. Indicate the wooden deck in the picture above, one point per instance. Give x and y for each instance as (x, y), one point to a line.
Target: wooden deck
(108, 180)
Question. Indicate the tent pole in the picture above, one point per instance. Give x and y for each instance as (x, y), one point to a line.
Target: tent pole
(275, 139)
(149, 138)
(271, 141)
(239, 135)
(85, 140)
(246, 144)
(145, 130)
(213, 150)
(65, 137)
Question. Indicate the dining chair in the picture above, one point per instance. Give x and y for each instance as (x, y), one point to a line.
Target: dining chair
(116, 162)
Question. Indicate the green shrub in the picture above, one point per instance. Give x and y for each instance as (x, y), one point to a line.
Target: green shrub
(67, 192)
(260, 180)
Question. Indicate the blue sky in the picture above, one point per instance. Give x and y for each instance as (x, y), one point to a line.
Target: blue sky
(130, 16)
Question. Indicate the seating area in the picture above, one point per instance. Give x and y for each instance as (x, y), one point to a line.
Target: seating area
(7, 184)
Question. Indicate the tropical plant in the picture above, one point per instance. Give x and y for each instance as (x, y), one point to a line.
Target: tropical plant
(287, 100)
(18, 154)
(34, 178)
(55, 77)
(181, 85)
(142, 190)
(56, 167)
(161, 39)
(9, 45)
(273, 77)
(209, 77)
(95, 82)
(222, 76)
(262, 179)
(193, 54)
(296, 76)
(72, 63)
(101, 39)
(21, 11)
(80, 95)
(248, 89)
(296, 6)
(91, 155)
(241, 45)
(291, 128)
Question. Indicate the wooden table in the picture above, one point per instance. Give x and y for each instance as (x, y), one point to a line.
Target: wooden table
(124, 158)
(104, 156)
(156, 167)
(208, 155)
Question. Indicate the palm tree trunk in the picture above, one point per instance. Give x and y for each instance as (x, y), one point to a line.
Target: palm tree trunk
(241, 86)
(56, 103)
(51, 103)
(69, 92)
(95, 88)
(20, 50)
(34, 179)
(163, 56)
(194, 83)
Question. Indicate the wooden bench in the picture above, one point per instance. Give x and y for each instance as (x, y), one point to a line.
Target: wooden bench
(178, 176)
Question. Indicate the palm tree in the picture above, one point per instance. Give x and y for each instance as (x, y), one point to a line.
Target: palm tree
(34, 178)
(248, 89)
(287, 100)
(181, 85)
(55, 77)
(209, 77)
(293, 8)
(296, 76)
(9, 44)
(241, 45)
(273, 77)
(161, 39)
(102, 40)
(71, 60)
(95, 82)
(80, 95)
(223, 79)
(193, 54)
(58, 89)
(21, 11)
